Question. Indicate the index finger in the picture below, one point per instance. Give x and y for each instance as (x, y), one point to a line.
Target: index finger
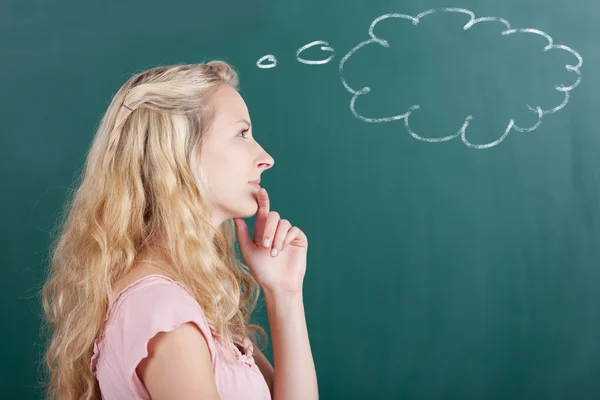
(264, 206)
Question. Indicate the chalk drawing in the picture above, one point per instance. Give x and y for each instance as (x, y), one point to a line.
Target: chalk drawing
(315, 62)
(273, 61)
(462, 132)
(415, 20)
(270, 59)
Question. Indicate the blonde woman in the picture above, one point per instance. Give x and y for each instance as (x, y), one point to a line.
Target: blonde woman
(145, 298)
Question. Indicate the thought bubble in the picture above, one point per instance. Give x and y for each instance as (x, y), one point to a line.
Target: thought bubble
(538, 111)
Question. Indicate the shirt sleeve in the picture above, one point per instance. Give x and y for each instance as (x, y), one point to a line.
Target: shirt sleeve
(160, 306)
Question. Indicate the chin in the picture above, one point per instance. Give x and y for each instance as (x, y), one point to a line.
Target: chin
(246, 212)
(252, 211)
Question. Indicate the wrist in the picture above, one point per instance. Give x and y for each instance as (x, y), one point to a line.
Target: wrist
(281, 295)
(284, 309)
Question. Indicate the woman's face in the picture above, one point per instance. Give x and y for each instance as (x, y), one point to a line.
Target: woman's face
(231, 158)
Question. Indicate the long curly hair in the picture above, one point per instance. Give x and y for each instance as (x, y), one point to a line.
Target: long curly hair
(142, 180)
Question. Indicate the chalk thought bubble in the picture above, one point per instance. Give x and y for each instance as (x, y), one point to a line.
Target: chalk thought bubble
(462, 132)
(270, 61)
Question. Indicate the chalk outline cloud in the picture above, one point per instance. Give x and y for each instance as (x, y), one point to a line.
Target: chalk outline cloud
(462, 132)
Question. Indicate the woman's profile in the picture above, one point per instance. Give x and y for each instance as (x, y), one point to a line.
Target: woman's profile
(145, 297)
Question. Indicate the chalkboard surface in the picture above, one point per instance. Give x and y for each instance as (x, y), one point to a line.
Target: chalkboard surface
(443, 160)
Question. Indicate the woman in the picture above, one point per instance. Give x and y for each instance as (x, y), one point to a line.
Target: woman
(146, 297)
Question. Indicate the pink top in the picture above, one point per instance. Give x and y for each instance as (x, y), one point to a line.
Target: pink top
(153, 304)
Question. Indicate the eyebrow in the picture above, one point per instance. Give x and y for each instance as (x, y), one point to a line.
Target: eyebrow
(246, 121)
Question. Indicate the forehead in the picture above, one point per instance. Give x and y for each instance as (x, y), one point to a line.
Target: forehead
(229, 106)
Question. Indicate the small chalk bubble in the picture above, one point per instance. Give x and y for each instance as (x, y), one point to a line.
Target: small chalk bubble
(267, 61)
(323, 48)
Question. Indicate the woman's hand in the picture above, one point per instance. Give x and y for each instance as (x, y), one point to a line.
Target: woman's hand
(283, 270)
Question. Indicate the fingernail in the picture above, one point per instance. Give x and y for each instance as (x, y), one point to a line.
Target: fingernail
(274, 252)
(267, 243)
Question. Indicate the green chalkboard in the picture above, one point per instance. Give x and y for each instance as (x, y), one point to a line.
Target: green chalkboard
(442, 158)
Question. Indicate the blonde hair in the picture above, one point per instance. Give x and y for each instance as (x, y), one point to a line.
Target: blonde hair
(141, 180)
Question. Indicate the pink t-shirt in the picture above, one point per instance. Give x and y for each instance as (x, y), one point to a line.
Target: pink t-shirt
(153, 304)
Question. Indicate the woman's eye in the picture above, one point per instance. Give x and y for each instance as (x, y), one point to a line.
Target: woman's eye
(244, 132)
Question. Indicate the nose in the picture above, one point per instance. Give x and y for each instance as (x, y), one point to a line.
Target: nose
(265, 161)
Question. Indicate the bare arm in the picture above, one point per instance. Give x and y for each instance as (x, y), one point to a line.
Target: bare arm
(179, 366)
(294, 374)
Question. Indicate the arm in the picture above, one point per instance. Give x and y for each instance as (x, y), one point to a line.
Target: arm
(294, 374)
(178, 366)
(281, 275)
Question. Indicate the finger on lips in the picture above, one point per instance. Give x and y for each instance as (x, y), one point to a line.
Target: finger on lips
(261, 217)
(263, 201)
